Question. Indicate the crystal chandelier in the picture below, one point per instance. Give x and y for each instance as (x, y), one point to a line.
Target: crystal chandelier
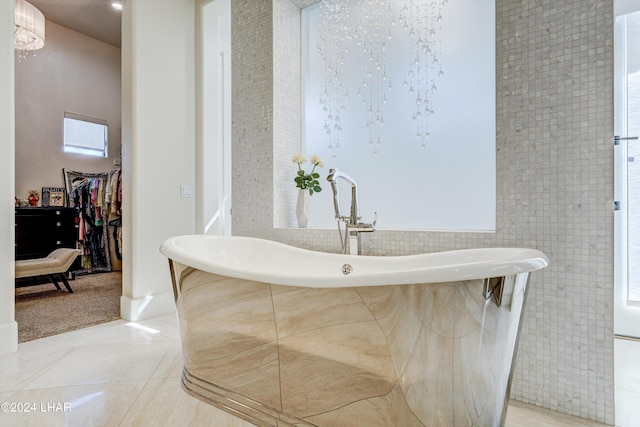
(370, 25)
(28, 29)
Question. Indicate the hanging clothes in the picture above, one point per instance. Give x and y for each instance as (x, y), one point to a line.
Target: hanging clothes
(113, 207)
(98, 199)
(92, 231)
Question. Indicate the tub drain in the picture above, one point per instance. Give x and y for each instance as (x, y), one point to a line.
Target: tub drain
(346, 269)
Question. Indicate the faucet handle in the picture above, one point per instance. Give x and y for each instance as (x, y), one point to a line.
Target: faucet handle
(367, 228)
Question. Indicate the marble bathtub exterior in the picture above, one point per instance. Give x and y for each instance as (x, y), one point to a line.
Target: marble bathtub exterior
(554, 178)
(102, 391)
(411, 355)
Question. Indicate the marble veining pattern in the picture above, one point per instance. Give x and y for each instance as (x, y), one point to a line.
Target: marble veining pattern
(554, 107)
(158, 400)
(416, 354)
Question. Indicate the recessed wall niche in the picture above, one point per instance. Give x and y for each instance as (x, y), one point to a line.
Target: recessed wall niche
(447, 185)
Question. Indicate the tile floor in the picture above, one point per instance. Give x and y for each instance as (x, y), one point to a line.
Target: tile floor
(127, 374)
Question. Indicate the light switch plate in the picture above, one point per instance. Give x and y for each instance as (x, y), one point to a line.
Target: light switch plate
(186, 191)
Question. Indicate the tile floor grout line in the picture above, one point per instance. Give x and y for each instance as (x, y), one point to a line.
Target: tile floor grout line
(133, 402)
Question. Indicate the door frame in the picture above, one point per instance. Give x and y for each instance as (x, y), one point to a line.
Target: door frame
(626, 315)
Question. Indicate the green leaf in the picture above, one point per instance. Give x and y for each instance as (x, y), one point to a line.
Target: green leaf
(317, 189)
(316, 175)
(301, 172)
(311, 191)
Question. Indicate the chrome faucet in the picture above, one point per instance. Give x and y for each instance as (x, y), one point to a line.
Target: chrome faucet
(353, 225)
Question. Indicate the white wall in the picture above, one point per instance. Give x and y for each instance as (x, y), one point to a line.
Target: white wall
(622, 7)
(158, 134)
(8, 326)
(158, 146)
(213, 146)
(71, 73)
(449, 184)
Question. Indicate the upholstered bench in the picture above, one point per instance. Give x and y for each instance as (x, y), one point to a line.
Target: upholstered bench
(54, 266)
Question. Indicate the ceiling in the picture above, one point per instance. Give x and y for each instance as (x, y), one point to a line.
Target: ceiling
(94, 18)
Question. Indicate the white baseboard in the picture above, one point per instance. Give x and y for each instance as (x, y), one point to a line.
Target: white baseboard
(8, 337)
(147, 307)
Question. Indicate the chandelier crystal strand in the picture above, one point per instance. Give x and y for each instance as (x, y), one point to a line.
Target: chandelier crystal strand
(434, 71)
(423, 50)
(373, 32)
(413, 32)
(334, 19)
(363, 43)
(370, 27)
(424, 24)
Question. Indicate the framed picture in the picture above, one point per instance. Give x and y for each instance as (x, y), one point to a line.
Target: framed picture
(46, 196)
(56, 198)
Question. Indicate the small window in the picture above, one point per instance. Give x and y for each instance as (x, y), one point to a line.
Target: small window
(85, 135)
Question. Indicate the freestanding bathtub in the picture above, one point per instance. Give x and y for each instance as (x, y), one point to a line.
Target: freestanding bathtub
(282, 336)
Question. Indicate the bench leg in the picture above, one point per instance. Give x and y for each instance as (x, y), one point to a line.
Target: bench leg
(53, 279)
(65, 282)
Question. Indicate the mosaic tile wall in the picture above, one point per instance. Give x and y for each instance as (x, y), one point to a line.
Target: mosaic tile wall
(287, 112)
(554, 177)
(252, 115)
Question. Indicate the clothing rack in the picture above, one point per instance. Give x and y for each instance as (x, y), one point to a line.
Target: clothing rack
(97, 197)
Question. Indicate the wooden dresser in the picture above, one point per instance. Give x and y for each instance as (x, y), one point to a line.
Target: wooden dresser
(41, 230)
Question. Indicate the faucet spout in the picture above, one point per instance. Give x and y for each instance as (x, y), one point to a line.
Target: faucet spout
(353, 226)
(334, 175)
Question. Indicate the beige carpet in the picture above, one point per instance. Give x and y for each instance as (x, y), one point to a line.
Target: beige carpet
(42, 310)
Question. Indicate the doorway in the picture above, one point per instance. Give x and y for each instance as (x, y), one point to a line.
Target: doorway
(68, 111)
(627, 169)
(213, 142)
(627, 211)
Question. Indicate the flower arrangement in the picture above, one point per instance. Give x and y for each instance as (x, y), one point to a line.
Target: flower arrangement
(308, 181)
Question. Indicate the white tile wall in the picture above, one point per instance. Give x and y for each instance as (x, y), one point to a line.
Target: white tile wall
(555, 186)
(287, 112)
(252, 114)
